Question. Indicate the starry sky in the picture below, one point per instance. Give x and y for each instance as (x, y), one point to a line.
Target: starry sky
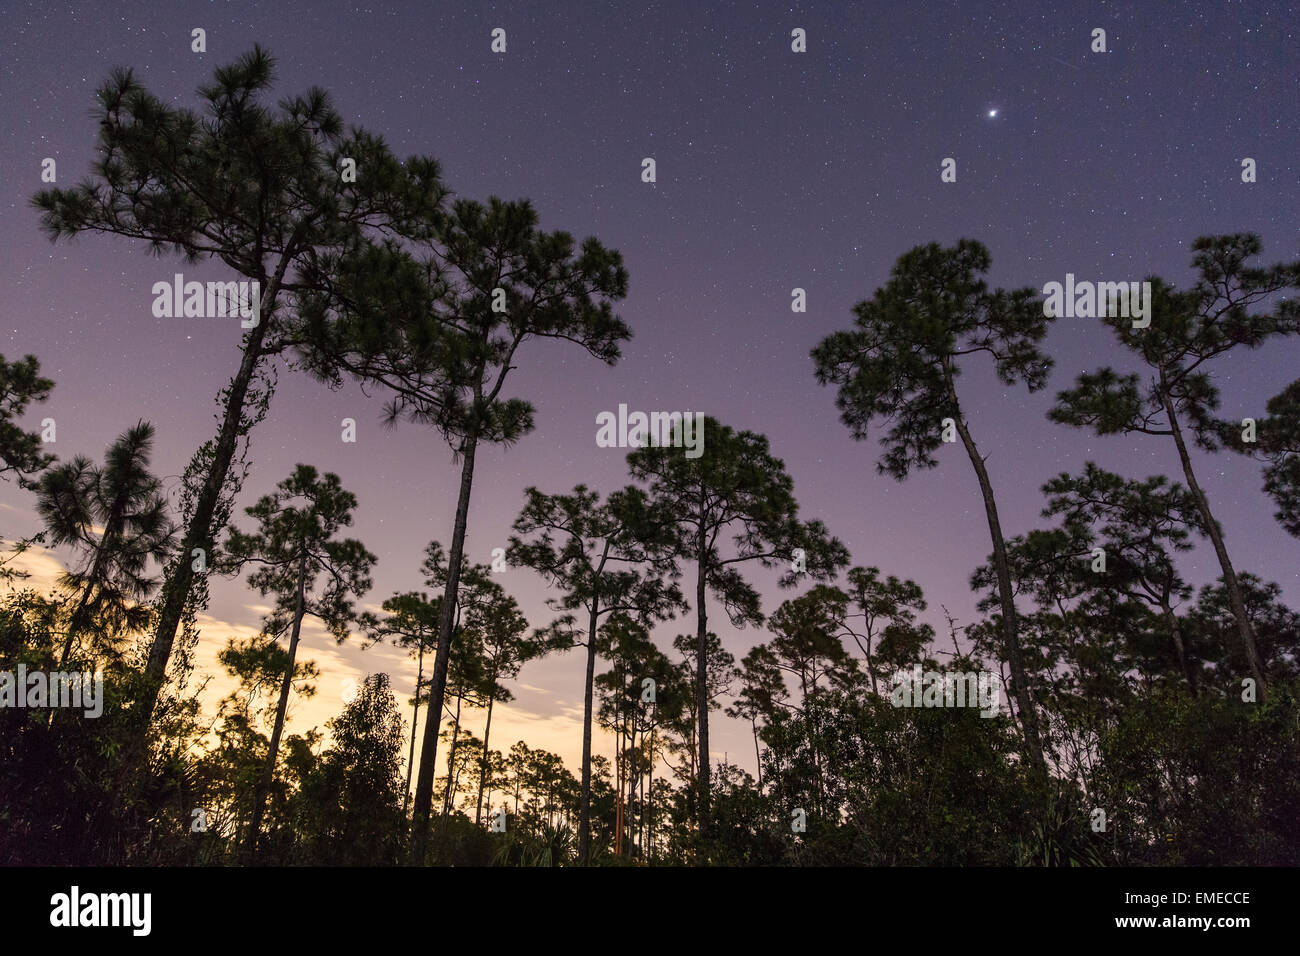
(775, 170)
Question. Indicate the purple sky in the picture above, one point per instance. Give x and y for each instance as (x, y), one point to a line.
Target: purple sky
(775, 170)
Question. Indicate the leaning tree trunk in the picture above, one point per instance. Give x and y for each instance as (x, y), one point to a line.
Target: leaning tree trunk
(415, 723)
(451, 761)
(109, 540)
(199, 532)
(1010, 630)
(438, 681)
(1230, 582)
(76, 623)
(483, 764)
(268, 771)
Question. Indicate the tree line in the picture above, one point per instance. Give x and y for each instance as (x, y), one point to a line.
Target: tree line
(1146, 723)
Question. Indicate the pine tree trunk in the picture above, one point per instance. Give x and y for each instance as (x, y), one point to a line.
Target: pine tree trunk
(1006, 599)
(438, 682)
(584, 800)
(286, 685)
(1244, 629)
(871, 666)
(77, 623)
(483, 764)
(415, 723)
(199, 532)
(1180, 647)
(649, 820)
(451, 761)
(701, 683)
(619, 764)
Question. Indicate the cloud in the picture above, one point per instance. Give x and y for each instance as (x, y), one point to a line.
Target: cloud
(540, 718)
(43, 566)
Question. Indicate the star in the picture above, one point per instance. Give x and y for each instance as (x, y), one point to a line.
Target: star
(992, 113)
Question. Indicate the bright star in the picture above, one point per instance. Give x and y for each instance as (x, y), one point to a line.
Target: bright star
(992, 113)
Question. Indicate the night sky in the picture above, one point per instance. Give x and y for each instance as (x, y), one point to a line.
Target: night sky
(775, 170)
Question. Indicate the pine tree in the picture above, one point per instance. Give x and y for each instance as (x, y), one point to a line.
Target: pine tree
(900, 364)
(293, 548)
(258, 189)
(605, 558)
(1187, 330)
(1277, 444)
(735, 486)
(411, 622)
(21, 384)
(112, 581)
(442, 332)
(1139, 525)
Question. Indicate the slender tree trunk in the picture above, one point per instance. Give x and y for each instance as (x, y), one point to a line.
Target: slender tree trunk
(438, 682)
(650, 820)
(619, 762)
(451, 761)
(180, 577)
(1216, 537)
(1176, 633)
(758, 756)
(77, 623)
(633, 777)
(701, 682)
(649, 777)
(584, 799)
(415, 723)
(648, 841)
(871, 665)
(483, 764)
(286, 685)
(199, 532)
(1010, 628)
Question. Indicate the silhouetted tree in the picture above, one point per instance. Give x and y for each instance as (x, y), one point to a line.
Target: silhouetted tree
(115, 518)
(891, 638)
(735, 486)
(258, 189)
(611, 557)
(346, 812)
(411, 623)
(900, 363)
(1188, 329)
(442, 333)
(21, 384)
(293, 547)
(1277, 443)
(1138, 525)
